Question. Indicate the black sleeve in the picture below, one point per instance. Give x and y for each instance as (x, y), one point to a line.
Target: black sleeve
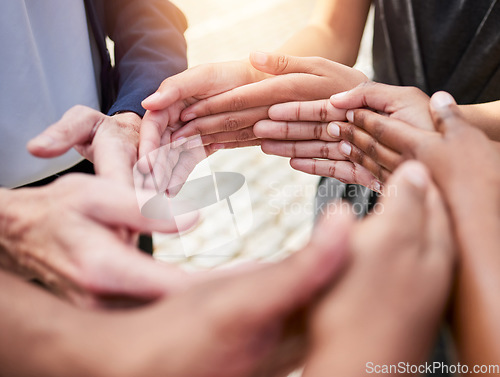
(149, 47)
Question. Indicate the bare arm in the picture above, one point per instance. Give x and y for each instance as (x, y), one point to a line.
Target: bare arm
(485, 116)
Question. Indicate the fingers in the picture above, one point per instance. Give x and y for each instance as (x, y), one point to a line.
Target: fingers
(373, 95)
(404, 202)
(278, 64)
(364, 145)
(153, 127)
(268, 129)
(445, 113)
(77, 126)
(344, 171)
(397, 135)
(116, 205)
(304, 149)
(176, 88)
(246, 134)
(225, 122)
(316, 111)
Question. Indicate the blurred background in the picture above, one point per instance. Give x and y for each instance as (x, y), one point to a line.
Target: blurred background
(281, 198)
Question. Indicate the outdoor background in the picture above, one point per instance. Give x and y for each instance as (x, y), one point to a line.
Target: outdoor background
(222, 30)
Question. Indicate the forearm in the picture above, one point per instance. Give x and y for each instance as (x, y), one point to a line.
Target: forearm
(477, 308)
(485, 116)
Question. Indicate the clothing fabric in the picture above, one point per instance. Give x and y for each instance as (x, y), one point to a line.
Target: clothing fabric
(449, 45)
(149, 46)
(46, 70)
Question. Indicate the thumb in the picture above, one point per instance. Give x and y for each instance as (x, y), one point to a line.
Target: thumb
(77, 126)
(445, 113)
(278, 64)
(404, 201)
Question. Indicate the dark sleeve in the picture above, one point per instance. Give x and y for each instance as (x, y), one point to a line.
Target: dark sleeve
(149, 47)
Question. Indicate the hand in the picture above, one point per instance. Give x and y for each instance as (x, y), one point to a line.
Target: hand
(231, 115)
(110, 142)
(303, 123)
(178, 92)
(230, 334)
(70, 236)
(464, 163)
(387, 306)
(213, 323)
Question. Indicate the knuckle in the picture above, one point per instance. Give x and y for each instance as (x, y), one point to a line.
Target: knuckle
(324, 152)
(331, 170)
(318, 131)
(323, 112)
(282, 63)
(372, 150)
(349, 132)
(238, 103)
(245, 135)
(231, 124)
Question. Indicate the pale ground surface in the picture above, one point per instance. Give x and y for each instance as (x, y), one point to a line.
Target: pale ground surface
(281, 198)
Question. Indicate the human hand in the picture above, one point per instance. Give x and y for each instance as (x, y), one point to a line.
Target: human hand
(231, 115)
(178, 92)
(232, 335)
(110, 142)
(387, 306)
(69, 235)
(301, 124)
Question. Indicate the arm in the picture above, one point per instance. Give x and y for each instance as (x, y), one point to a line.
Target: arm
(334, 32)
(485, 116)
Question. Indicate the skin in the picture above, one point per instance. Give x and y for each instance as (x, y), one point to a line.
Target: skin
(316, 137)
(44, 234)
(213, 323)
(196, 102)
(475, 216)
(388, 305)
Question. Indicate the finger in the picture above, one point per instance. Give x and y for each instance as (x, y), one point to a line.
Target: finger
(279, 64)
(344, 171)
(372, 95)
(287, 285)
(357, 156)
(120, 270)
(315, 111)
(278, 89)
(304, 149)
(366, 144)
(117, 206)
(404, 202)
(188, 160)
(176, 88)
(77, 126)
(233, 145)
(268, 129)
(225, 122)
(439, 230)
(153, 126)
(227, 137)
(445, 113)
(395, 134)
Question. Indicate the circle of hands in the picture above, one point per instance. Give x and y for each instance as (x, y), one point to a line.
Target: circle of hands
(386, 279)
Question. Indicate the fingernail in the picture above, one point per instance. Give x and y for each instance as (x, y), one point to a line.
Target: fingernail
(188, 116)
(333, 129)
(43, 141)
(441, 99)
(376, 186)
(416, 174)
(259, 57)
(350, 115)
(346, 148)
(339, 95)
(152, 98)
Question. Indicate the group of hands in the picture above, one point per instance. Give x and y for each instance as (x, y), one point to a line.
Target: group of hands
(373, 290)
